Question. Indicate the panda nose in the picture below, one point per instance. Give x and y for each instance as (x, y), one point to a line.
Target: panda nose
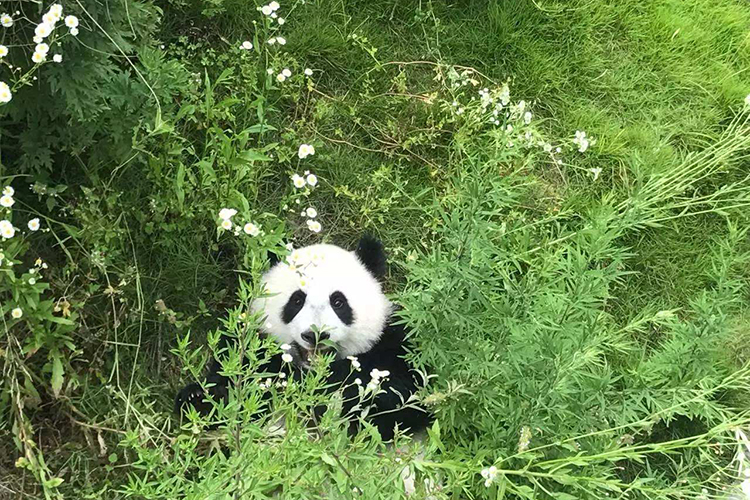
(309, 337)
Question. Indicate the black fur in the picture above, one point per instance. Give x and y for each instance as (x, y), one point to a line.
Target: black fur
(372, 254)
(341, 307)
(293, 306)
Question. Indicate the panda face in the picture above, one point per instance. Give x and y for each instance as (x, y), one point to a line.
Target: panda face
(324, 292)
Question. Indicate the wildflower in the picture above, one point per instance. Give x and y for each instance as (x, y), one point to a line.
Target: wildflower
(9, 191)
(281, 40)
(289, 247)
(16, 313)
(269, 71)
(50, 18)
(5, 94)
(42, 48)
(372, 386)
(43, 30)
(3, 51)
(282, 375)
(226, 224)
(251, 229)
(227, 213)
(581, 141)
(274, 15)
(38, 57)
(305, 150)
(32, 281)
(309, 72)
(596, 171)
(286, 72)
(246, 45)
(71, 21)
(38, 39)
(56, 9)
(525, 439)
(281, 21)
(527, 117)
(298, 181)
(489, 474)
(311, 212)
(6, 21)
(57, 58)
(7, 201)
(74, 31)
(285, 347)
(34, 224)
(7, 231)
(38, 262)
(271, 41)
(355, 362)
(358, 381)
(280, 77)
(312, 179)
(286, 357)
(266, 10)
(274, 6)
(313, 226)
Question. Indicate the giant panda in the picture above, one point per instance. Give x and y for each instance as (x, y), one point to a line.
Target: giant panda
(323, 296)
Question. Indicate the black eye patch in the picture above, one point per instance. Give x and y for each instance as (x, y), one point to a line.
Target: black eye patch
(293, 306)
(342, 308)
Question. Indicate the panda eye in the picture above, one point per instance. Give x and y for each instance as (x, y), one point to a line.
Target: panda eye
(297, 301)
(338, 303)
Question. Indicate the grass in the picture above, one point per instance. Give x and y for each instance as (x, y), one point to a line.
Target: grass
(545, 300)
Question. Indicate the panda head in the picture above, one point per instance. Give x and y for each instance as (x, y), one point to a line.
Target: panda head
(324, 292)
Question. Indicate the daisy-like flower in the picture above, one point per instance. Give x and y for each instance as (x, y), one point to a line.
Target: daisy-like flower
(281, 21)
(286, 357)
(227, 213)
(355, 362)
(285, 347)
(314, 226)
(32, 281)
(596, 171)
(43, 30)
(308, 71)
(7, 231)
(246, 45)
(50, 18)
(269, 71)
(16, 313)
(57, 58)
(7, 201)
(274, 6)
(251, 229)
(311, 212)
(286, 72)
(38, 57)
(9, 191)
(305, 150)
(3, 51)
(312, 179)
(6, 20)
(56, 9)
(281, 40)
(581, 141)
(42, 48)
(5, 94)
(298, 181)
(274, 15)
(34, 224)
(527, 117)
(71, 21)
(226, 224)
(266, 10)
(281, 77)
(271, 41)
(489, 474)
(38, 39)
(74, 31)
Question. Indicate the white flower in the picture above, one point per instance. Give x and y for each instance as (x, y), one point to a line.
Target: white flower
(358, 381)
(285, 347)
(305, 150)
(56, 9)
(251, 229)
(32, 281)
(9, 191)
(50, 18)
(596, 172)
(286, 72)
(227, 213)
(281, 40)
(42, 48)
(226, 224)
(74, 31)
(527, 117)
(7, 230)
(7, 201)
(311, 212)
(266, 10)
(57, 58)
(38, 57)
(489, 474)
(280, 77)
(274, 15)
(38, 39)
(581, 141)
(274, 6)
(281, 21)
(43, 30)
(269, 71)
(312, 179)
(71, 21)
(298, 181)
(16, 313)
(34, 224)
(355, 362)
(286, 357)
(271, 41)
(3, 51)
(5, 94)
(246, 45)
(313, 226)
(308, 71)
(6, 20)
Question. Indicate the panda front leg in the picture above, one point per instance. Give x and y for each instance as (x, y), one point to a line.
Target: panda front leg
(197, 394)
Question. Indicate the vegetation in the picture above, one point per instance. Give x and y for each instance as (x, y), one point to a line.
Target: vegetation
(562, 185)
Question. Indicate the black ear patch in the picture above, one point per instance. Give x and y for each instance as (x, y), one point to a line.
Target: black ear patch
(372, 254)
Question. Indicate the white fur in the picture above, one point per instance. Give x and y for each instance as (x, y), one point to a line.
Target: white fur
(326, 269)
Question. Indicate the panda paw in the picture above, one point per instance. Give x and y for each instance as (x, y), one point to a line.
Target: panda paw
(190, 395)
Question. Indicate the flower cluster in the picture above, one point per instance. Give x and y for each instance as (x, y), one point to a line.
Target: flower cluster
(300, 261)
(525, 439)
(286, 357)
(489, 474)
(7, 230)
(355, 362)
(226, 214)
(285, 73)
(582, 141)
(377, 376)
(270, 11)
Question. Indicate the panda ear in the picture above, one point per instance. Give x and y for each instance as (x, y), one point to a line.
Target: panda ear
(372, 254)
(273, 259)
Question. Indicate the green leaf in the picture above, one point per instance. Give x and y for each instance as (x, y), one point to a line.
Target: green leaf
(328, 459)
